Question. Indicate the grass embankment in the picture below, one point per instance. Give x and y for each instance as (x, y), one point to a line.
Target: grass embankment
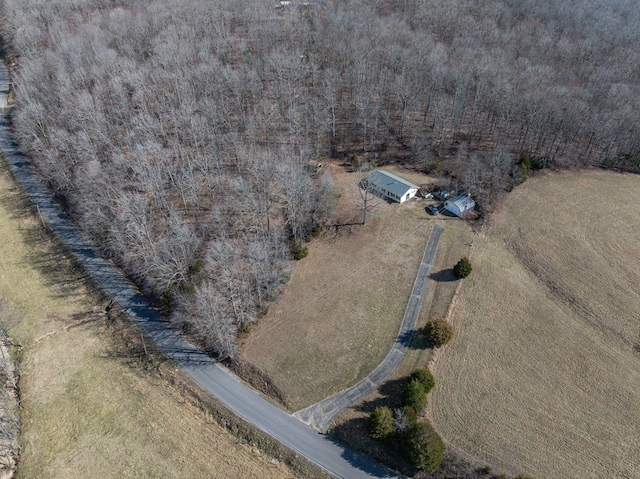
(543, 376)
(342, 308)
(93, 405)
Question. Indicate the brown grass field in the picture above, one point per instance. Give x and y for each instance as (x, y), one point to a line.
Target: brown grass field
(543, 377)
(341, 310)
(89, 410)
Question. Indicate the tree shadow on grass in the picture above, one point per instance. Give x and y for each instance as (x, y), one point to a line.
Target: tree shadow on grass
(421, 340)
(444, 276)
(45, 252)
(390, 393)
(63, 273)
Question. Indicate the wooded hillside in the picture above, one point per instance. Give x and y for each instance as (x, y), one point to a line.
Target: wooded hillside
(178, 132)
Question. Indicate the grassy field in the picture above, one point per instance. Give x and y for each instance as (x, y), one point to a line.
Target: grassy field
(543, 377)
(89, 409)
(342, 308)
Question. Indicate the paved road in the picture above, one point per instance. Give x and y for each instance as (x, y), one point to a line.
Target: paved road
(322, 414)
(246, 403)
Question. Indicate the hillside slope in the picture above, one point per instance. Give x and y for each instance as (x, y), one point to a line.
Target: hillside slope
(544, 375)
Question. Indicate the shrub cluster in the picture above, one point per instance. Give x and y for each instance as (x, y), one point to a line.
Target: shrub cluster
(421, 446)
(415, 393)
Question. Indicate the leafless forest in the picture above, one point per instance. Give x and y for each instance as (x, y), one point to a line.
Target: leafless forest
(179, 132)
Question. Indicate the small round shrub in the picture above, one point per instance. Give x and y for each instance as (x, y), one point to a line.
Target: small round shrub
(381, 424)
(439, 332)
(415, 396)
(422, 447)
(463, 268)
(424, 377)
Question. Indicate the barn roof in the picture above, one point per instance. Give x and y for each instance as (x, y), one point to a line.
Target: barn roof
(394, 184)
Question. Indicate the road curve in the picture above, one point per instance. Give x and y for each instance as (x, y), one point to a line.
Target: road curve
(242, 400)
(322, 414)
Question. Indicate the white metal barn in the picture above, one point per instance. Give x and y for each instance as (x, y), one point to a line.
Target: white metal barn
(460, 205)
(390, 186)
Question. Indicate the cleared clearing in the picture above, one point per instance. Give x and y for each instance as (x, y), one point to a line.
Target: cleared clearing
(342, 308)
(86, 412)
(543, 376)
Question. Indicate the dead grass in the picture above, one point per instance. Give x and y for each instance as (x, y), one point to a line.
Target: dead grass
(344, 303)
(543, 377)
(86, 412)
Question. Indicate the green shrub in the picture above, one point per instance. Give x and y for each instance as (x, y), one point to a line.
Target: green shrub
(355, 162)
(196, 267)
(415, 396)
(525, 166)
(300, 252)
(422, 447)
(463, 268)
(381, 425)
(317, 229)
(439, 332)
(424, 377)
(168, 298)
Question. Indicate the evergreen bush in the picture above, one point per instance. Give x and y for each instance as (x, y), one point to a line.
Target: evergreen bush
(463, 268)
(424, 377)
(381, 424)
(415, 396)
(422, 447)
(439, 332)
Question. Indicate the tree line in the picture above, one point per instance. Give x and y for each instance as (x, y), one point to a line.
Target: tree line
(178, 132)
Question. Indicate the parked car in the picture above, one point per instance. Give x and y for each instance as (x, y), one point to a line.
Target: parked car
(432, 210)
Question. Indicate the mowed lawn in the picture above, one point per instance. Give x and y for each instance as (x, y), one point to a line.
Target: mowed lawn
(87, 411)
(342, 308)
(543, 376)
